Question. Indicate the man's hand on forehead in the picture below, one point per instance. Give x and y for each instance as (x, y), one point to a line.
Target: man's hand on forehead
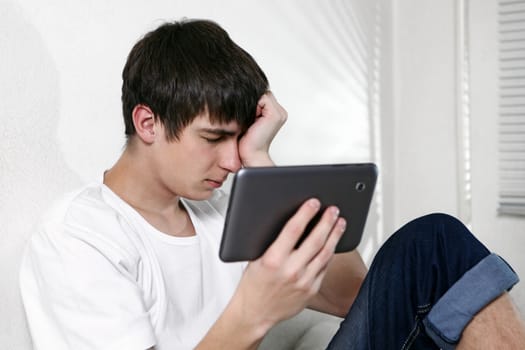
(255, 144)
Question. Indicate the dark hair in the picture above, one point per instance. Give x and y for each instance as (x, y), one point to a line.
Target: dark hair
(185, 68)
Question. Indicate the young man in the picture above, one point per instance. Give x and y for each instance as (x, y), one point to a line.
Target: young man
(132, 262)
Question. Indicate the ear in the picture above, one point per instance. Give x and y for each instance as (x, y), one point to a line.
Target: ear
(144, 121)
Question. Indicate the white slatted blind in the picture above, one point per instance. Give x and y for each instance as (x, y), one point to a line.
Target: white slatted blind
(512, 107)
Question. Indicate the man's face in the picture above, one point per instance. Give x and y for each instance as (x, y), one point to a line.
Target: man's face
(200, 160)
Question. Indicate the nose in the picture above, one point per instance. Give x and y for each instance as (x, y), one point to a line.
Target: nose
(229, 159)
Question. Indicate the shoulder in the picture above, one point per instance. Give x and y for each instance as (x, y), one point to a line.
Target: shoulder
(84, 219)
(84, 259)
(85, 208)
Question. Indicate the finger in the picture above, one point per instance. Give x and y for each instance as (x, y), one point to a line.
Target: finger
(263, 101)
(268, 106)
(258, 111)
(294, 228)
(318, 280)
(321, 260)
(313, 281)
(316, 239)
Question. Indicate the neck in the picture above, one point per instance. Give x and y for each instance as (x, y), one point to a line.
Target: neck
(134, 180)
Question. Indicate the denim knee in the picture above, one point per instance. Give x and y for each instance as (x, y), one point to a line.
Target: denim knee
(436, 223)
(419, 263)
(465, 276)
(414, 283)
(450, 238)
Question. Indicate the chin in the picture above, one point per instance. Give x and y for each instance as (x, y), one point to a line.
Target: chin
(200, 195)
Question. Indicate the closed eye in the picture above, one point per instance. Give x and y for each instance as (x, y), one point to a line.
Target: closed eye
(213, 139)
(216, 135)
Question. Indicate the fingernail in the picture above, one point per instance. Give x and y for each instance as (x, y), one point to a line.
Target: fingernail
(342, 224)
(335, 211)
(314, 203)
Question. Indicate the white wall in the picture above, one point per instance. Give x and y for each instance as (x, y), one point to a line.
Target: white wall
(424, 119)
(424, 94)
(60, 91)
(504, 234)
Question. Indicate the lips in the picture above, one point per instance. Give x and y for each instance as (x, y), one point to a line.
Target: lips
(215, 183)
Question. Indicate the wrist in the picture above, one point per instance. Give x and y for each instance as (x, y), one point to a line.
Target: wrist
(236, 328)
(249, 321)
(259, 159)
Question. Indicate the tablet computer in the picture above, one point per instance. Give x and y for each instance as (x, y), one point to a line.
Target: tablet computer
(263, 199)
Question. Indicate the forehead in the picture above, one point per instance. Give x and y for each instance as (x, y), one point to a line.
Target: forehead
(203, 122)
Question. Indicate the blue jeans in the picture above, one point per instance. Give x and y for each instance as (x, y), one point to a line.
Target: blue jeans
(425, 284)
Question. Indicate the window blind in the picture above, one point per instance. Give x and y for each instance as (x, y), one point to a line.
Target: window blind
(511, 107)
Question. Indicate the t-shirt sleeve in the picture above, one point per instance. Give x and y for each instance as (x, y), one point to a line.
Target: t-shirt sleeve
(80, 295)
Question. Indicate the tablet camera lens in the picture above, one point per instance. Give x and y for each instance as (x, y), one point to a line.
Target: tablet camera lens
(360, 187)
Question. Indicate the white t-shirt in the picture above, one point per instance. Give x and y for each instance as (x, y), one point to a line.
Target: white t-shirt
(98, 276)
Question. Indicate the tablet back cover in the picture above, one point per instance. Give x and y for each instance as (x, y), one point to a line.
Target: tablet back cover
(263, 199)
